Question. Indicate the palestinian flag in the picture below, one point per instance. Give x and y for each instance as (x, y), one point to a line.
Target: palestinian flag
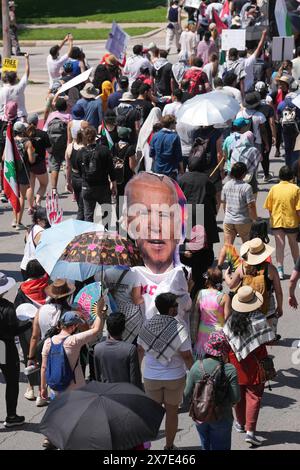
(283, 21)
(10, 183)
(104, 133)
(219, 23)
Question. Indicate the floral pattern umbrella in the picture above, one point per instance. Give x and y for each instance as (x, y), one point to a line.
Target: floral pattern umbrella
(90, 252)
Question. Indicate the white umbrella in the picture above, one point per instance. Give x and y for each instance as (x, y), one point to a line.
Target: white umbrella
(209, 109)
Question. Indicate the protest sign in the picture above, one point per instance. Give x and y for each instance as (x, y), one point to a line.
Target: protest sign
(283, 48)
(10, 65)
(117, 42)
(83, 77)
(234, 38)
(192, 3)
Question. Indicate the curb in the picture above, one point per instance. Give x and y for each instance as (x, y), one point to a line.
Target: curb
(94, 41)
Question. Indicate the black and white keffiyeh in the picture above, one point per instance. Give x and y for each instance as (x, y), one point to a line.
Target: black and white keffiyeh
(134, 320)
(260, 332)
(162, 336)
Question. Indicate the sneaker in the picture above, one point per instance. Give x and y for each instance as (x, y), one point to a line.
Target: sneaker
(12, 421)
(20, 227)
(266, 179)
(238, 427)
(171, 448)
(29, 394)
(280, 272)
(14, 223)
(41, 402)
(252, 440)
(4, 199)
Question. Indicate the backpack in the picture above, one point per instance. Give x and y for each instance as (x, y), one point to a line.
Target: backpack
(53, 330)
(90, 165)
(208, 396)
(59, 374)
(122, 111)
(195, 78)
(119, 156)
(198, 153)
(289, 118)
(57, 133)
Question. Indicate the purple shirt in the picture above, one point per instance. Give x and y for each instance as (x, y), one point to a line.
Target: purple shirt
(65, 117)
(205, 49)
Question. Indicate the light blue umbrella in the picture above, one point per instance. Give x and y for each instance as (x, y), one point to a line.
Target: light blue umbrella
(53, 242)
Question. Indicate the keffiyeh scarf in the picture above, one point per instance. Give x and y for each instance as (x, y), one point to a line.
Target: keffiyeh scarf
(260, 332)
(162, 336)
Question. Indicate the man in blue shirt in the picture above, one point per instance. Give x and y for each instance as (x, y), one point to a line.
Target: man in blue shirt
(91, 105)
(165, 149)
(114, 99)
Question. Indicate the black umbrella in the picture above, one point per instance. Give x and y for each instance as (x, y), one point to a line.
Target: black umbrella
(102, 416)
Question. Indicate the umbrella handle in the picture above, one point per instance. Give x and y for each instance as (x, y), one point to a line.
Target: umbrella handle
(217, 167)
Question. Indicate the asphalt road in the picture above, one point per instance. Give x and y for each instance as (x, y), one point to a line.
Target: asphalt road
(279, 420)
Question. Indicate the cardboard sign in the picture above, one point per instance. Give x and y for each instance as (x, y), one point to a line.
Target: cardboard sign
(117, 42)
(83, 77)
(10, 65)
(283, 48)
(192, 3)
(233, 38)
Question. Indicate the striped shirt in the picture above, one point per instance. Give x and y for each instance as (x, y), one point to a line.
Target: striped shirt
(237, 195)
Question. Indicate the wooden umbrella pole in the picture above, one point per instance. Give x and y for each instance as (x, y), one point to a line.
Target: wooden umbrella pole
(217, 167)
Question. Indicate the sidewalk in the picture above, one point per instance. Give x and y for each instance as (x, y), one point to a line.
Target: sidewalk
(88, 25)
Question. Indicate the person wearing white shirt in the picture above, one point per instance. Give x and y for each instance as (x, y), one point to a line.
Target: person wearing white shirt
(230, 83)
(134, 63)
(54, 62)
(13, 91)
(217, 6)
(250, 61)
(296, 66)
(188, 42)
(173, 108)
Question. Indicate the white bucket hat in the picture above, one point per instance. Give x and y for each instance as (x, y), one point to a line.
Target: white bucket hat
(26, 311)
(6, 283)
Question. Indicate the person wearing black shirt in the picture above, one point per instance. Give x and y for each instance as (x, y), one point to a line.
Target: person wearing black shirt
(10, 327)
(144, 101)
(38, 169)
(99, 185)
(163, 74)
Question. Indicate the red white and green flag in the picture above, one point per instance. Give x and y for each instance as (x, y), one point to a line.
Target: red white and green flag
(10, 183)
(283, 21)
(225, 10)
(104, 133)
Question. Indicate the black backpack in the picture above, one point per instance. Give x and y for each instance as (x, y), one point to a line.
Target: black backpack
(58, 136)
(198, 153)
(89, 161)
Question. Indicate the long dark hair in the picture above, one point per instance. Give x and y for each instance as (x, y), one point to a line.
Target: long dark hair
(221, 380)
(239, 323)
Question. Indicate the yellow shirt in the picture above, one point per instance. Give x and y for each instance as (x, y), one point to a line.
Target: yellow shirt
(282, 202)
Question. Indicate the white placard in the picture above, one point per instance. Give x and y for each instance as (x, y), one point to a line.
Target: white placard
(192, 3)
(233, 38)
(117, 42)
(83, 77)
(283, 48)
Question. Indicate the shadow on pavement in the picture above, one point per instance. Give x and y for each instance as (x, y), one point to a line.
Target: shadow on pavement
(285, 380)
(28, 427)
(277, 401)
(280, 437)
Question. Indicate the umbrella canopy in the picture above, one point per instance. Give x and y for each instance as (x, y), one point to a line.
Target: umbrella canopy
(208, 110)
(102, 416)
(89, 252)
(55, 239)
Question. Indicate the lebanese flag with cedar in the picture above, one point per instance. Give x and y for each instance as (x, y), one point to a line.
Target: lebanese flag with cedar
(10, 183)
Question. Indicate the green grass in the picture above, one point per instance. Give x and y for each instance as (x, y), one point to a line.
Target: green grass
(79, 34)
(56, 11)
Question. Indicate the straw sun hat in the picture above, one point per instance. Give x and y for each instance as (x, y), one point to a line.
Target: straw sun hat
(247, 300)
(255, 251)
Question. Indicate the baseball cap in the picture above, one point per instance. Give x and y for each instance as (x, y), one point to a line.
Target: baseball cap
(260, 86)
(20, 126)
(33, 118)
(71, 318)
